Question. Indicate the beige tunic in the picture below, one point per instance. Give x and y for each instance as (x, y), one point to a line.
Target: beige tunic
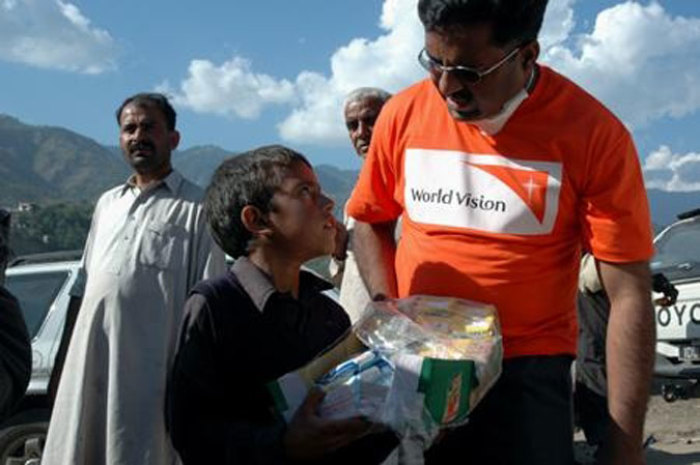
(354, 295)
(145, 250)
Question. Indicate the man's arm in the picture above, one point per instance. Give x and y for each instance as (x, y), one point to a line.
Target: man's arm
(71, 315)
(375, 248)
(76, 300)
(630, 357)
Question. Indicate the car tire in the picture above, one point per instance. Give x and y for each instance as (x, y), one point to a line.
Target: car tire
(22, 444)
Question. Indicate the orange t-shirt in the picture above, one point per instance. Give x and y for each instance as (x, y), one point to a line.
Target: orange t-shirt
(501, 219)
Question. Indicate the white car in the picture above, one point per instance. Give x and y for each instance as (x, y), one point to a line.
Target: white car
(42, 291)
(678, 326)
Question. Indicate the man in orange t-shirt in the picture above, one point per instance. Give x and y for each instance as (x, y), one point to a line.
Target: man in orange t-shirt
(502, 169)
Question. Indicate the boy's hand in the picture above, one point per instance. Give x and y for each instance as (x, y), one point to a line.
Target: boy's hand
(341, 241)
(309, 436)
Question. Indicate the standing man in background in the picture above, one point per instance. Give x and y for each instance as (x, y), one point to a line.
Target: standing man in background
(361, 109)
(148, 245)
(499, 187)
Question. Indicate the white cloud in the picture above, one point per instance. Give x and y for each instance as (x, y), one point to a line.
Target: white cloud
(388, 62)
(637, 59)
(230, 89)
(233, 88)
(670, 171)
(53, 34)
(558, 23)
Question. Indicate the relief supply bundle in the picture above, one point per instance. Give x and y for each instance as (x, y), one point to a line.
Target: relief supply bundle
(430, 362)
(446, 354)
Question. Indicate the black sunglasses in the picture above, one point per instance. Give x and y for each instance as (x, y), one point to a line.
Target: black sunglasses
(463, 73)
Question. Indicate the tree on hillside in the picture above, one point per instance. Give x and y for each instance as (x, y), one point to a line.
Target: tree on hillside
(51, 228)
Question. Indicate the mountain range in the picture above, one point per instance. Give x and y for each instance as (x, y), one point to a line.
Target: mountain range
(41, 164)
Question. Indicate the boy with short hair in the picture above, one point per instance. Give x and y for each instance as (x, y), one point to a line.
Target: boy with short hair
(260, 320)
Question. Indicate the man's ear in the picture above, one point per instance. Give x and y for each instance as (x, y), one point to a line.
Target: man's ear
(174, 137)
(530, 52)
(255, 221)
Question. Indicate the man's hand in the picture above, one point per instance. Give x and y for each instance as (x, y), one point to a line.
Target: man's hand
(309, 436)
(71, 316)
(341, 241)
(629, 358)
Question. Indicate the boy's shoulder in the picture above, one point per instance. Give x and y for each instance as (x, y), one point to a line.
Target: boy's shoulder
(212, 299)
(222, 287)
(244, 289)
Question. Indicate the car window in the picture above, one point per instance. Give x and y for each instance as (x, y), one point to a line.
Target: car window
(35, 292)
(678, 251)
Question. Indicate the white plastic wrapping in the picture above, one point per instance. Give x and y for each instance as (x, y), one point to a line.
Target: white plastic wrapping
(431, 360)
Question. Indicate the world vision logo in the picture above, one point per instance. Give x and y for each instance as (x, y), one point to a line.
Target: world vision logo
(481, 192)
(529, 185)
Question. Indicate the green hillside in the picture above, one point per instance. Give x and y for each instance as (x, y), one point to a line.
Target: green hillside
(64, 173)
(45, 164)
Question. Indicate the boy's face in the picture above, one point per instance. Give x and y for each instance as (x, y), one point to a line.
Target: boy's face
(301, 216)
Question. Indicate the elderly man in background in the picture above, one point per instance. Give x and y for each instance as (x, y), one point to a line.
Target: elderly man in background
(361, 109)
(15, 348)
(148, 245)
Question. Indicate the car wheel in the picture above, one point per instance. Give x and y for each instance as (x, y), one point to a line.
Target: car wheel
(669, 393)
(22, 444)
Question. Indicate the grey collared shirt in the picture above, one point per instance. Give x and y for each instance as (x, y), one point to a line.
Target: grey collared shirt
(145, 250)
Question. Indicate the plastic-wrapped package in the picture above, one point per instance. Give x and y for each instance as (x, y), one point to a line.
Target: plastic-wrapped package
(446, 354)
(357, 387)
(430, 362)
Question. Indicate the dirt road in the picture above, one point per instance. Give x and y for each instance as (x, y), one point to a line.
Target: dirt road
(675, 428)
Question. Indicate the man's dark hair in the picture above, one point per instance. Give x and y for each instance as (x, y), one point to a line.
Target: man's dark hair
(151, 98)
(512, 21)
(251, 178)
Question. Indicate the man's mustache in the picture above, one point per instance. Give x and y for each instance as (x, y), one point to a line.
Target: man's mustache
(138, 146)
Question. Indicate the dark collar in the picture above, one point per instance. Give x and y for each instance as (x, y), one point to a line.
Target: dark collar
(259, 287)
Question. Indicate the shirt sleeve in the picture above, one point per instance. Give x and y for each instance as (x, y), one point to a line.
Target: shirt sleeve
(616, 220)
(373, 200)
(78, 287)
(215, 263)
(209, 260)
(195, 409)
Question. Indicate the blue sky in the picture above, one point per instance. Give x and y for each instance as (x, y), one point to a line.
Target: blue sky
(244, 74)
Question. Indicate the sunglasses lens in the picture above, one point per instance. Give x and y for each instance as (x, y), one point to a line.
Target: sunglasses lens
(426, 62)
(466, 75)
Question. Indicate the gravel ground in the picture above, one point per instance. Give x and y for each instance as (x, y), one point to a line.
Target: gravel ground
(674, 429)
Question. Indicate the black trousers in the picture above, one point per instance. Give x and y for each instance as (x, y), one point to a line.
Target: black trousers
(526, 419)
